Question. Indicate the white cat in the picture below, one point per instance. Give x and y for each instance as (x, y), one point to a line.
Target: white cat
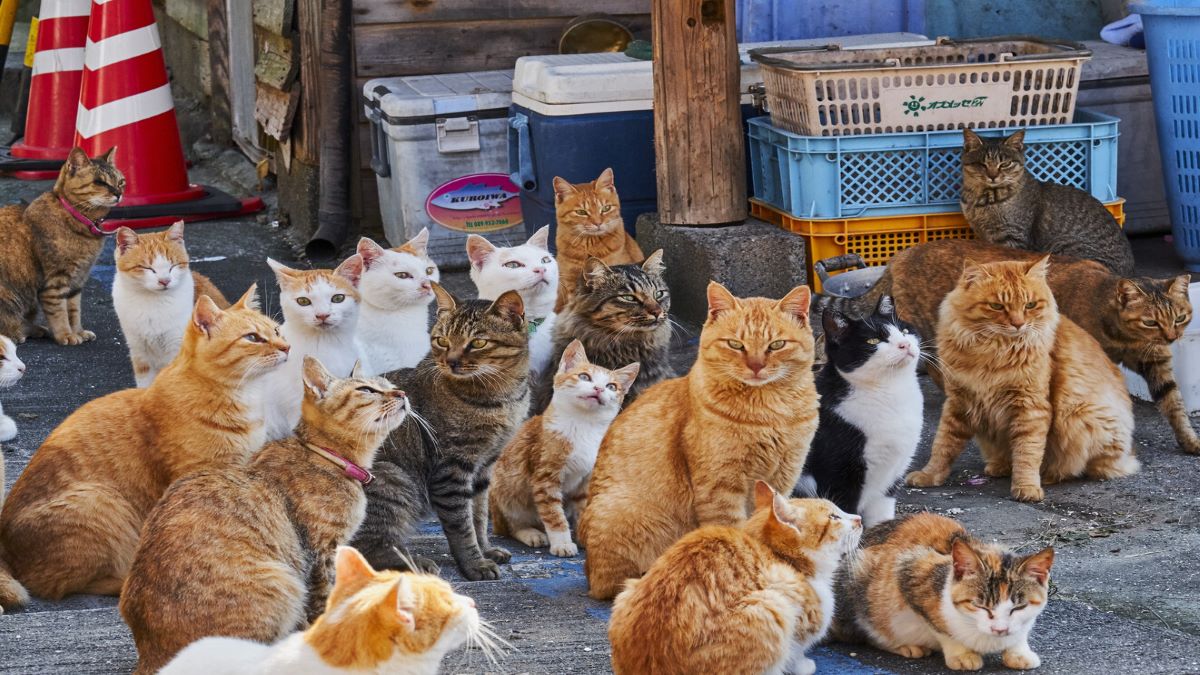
(320, 318)
(396, 288)
(532, 272)
(11, 370)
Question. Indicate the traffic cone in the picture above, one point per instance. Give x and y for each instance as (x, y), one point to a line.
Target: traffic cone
(125, 102)
(53, 91)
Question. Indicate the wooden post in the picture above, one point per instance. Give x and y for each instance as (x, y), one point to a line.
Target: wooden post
(218, 58)
(699, 149)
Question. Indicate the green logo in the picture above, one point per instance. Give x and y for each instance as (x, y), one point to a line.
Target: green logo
(916, 105)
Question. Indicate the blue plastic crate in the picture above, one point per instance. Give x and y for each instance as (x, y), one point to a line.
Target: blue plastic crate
(909, 173)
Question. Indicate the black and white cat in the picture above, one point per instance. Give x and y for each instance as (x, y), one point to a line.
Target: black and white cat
(871, 409)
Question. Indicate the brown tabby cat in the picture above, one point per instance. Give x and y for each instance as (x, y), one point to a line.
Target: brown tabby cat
(921, 584)
(589, 226)
(1134, 320)
(1032, 387)
(48, 252)
(72, 521)
(687, 451)
(737, 600)
(249, 551)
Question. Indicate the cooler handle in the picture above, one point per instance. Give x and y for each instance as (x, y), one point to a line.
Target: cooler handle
(379, 151)
(836, 264)
(521, 155)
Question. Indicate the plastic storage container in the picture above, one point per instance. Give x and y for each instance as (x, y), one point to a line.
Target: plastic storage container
(1173, 53)
(895, 174)
(439, 153)
(762, 20)
(994, 82)
(1186, 353)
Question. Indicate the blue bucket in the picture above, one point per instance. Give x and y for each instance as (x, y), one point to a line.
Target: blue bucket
(1173, 54)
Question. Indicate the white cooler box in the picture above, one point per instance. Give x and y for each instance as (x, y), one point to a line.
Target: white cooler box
(439, 153)
(1186, 352)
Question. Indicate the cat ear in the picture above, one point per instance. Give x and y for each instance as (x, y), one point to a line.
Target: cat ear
(478, 250)
(126, 239)
(446, 301)
(966, 562)
(572, 357)
(1037, 566)
(175, 232)
(605, 181)
(835, 325)
(351, 269)
(206, 314)
(510, 306)
(1179, 285)
(282, 272)
(971, 141)
(249, 299)
(720, 300)
(370, 251)
(1016, 141)
(109, 157)
(972, 272)
(77, 160)
(541, 238)
(594, 270)
(653, 264)
(562, 188)
(316, 378)
(764, 495)
(400, 596)
(419, 244)
(797, 303)
(626, 375)
(1038, 268)
(1128, 291)
(357, 370)
(886, 306)
(350, 565)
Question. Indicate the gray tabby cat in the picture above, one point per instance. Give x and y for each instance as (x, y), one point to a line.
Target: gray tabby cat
(619, 313)
(1006, 205)
(469, 396)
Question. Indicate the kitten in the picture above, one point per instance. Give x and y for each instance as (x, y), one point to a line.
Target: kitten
(320, 316)
(72, 520)
(1032, 387)
(756, 597)
(1006, 205)
(551, 458)
(248, 551)
(12, 594)
(620, 314)
(396, 289)
(472, 392)
(871, 408)
(528, 269)
(49, 251)
(378, 622)
(589, 226)
(746, 410)
(153, 294)
(922, 584)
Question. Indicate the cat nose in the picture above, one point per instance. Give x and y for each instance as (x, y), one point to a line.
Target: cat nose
(756, 365)
(425, 285)
(322, 317)
(599, 390)
(856, 521)
(1016, 321)
(164, 282)
(285, 348)
(999, 631)
(471, 603)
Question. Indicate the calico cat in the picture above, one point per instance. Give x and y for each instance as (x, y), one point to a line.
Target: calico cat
(249, 551)
(528, 269)
(72, 521)
(620, 314)
(737, 600)
(320, 316)
(396, 289)
(687, 452)
(871, 409)
(1032, 387)
(153, 294)
(922, 584)
(550, 459)
(589, 226)
(12, 369)
(376, 622)
(472, 392)
(50, 247)
(1006, 205)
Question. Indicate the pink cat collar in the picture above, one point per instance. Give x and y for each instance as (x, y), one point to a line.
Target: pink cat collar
(93, 225)
(351, 470)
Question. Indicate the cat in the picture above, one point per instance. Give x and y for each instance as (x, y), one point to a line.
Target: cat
(248, 551)
(471, 394)
(50, 247)
(871, 407)
(1033, 388)
(12, 369)
(320, 317)
(589, 225)
(1006, 205)
(528, 269)
(687, 452)
(396, 289)
(737, 600)
(1135, 319)
(72, 520)
(377, 622)
(922, 584)
(620, 314)
(550, 459)
(153, 294)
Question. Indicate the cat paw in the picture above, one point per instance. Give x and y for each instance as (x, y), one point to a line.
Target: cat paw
(531, 537)
(805, 666)
(913, 651)
(997, 470)
(424, 565)
(965, 660)
(566, 550)
(86, 335)
(923, 479)
(1190, 446)
(481, 570)
(1028, 493)
(497, 554)
(69, 339)
(1021, 659)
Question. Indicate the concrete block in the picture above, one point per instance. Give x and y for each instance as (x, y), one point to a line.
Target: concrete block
(751, 259)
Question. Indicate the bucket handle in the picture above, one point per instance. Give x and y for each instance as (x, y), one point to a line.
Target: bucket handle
(523, 177)
(380, 162)
(837, 263)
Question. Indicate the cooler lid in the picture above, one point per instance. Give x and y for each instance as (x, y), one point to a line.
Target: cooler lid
(1111, 62)
(420, 98)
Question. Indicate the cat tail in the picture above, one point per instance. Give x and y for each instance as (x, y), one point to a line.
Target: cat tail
(12, 593)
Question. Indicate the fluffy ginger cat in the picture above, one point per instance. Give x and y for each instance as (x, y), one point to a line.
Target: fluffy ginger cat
(589, 226)
(687, 451)
(72, 521)
(396, 289)
(550, 459)
(153, 294)
(1033, 388)
(756, 598)
(389, 623)
(921, 584)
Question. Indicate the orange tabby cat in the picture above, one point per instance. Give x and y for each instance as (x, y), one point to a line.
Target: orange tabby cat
(589, 226)
(72, 521)
(737, 600)
(687, 451)
(1031, 386)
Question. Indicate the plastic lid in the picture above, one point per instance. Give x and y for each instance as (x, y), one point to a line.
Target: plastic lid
(431, 95)
(1169, 7)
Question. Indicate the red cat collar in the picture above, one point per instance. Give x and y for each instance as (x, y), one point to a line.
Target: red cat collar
(93, 225)
(352, 470)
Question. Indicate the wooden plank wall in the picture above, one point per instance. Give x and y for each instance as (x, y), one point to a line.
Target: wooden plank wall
(394, 38)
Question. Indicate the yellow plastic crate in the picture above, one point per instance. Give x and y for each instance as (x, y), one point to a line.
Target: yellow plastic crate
(876, 240)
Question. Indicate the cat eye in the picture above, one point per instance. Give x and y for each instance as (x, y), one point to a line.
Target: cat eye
(581, 212)
(303, 302)
(441, 342)
(403, 275)
(610, 386)
(996, 306)
(513, 264)
(658, 295)
(1006, 165)
(834, 516)
(1031, 305)
(1149, 323)
(1180, 319)
(734, 344)
(367, 390)
(627, 298)
(253, 337)
(606, 209)
(584, 377)
(547, 260)
(478, 343)
(428, 271)
(338, 298)
(776, 345)
(872, 341)
(1018, 607)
